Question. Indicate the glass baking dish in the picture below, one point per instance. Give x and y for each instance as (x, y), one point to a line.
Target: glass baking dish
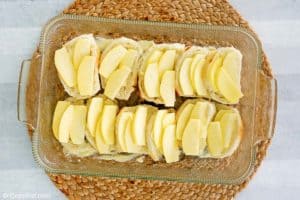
(257, 107)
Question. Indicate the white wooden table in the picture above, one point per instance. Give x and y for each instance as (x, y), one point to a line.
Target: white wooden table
(276, 21)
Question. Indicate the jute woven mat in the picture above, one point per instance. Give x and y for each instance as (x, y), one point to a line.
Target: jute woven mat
(218, 12)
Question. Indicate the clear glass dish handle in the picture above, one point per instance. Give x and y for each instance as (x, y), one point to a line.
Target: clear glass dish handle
(266, 106)
(21, 101)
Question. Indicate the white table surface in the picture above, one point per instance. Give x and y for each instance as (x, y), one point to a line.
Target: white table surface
(276, 21)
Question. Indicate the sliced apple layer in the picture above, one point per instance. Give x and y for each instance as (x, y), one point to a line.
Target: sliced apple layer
(193, 131)
(210, 73)
(157, 74)
(118, 68)
(198, 71)
(196, 129)
(77, 66)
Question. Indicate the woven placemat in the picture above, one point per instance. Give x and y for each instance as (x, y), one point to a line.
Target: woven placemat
(218, 12)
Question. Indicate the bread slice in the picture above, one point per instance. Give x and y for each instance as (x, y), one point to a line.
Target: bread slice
(131, 82)
(73, 91)
(151, 109)
(190, 53)
(79, 150)
(153, 151)
(210, 54)
(85, 149)
(234, 144)
(215, 95)
(179, 50)
(91, 139)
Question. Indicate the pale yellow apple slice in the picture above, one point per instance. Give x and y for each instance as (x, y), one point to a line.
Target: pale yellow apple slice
(82, 48)
(152, 150)
(227, 87)
(229, 126)
(214, 139)
(169, 144)
(85, 75)
(108, 118)
(115, 81)
(78, 127)
(202, 139)
(167, 88)
(166, 61)
(204, 111)
(184, 77)
(151, 80)
(121, 125)
(112, 60)
(64, 66)
(191, 137)
(157, 127)
(65, 125)
(195, 60)
(94, 112)
(212, 70)
(60, 108)
(220, 114)
(139, 125)
(131, 147)
(168, 119)
(197, 79)
(129, 59)
(232, 64)
(102, 147)
(154, 57)
(182, 117)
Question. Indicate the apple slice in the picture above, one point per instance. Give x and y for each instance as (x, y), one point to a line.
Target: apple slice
(64, 66)
(168, 119)
(184, 77)
(153, 151)
(197, 78)
(131, 147)
(94, 112)
(121, 125)
(151, 80)
(232, 64)
(112, 60)
(157, 127)
(60, 108)
(166, 61)
(214, 139)
(108, 118)
(212, 70)
(85, 75)
(182, 117)
(102, 147)
(139, 125)
(82, 48)
(195, 60)
(229, 125)
(65, 125)
(227, 87)
(154, 57)
(190, 137)
(167, 88)
(204, 111)
(220, 114)
(129, 59)
(169, 144)
(115, 81)
(77, 130)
